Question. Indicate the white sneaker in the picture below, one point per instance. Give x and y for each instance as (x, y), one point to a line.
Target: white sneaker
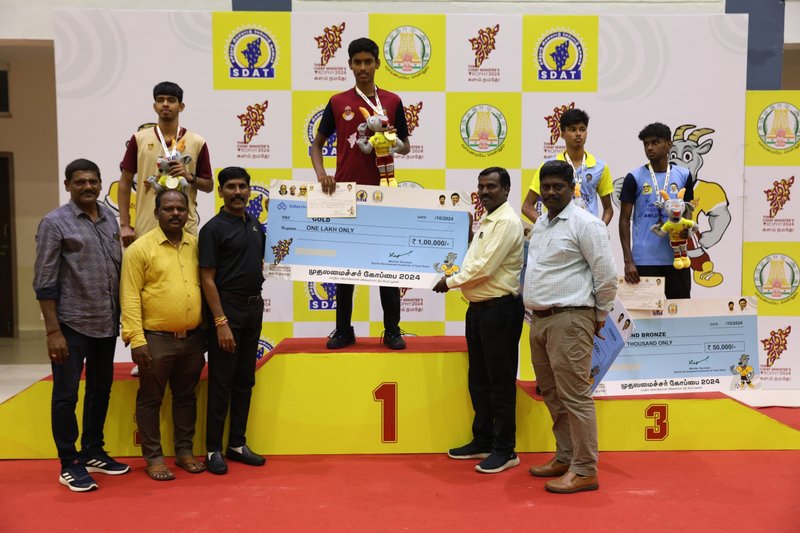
(135, 371)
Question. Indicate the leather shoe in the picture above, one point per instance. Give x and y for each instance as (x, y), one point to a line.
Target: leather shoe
(571, 482)
(247, 456)
(551, 468)
(216, 464)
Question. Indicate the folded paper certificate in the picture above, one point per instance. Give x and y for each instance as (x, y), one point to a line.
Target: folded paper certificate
(340, 204)
(400, 237)
(647, 294)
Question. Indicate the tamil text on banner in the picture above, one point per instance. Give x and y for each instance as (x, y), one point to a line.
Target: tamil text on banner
(402, 237)
(691, 346)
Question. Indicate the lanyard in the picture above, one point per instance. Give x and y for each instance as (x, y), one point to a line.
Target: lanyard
(655, 182)
(578, 171)
(167, 153)
(376, 108)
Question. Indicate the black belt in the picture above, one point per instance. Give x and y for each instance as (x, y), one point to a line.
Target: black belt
(241, 298)
(180, 335)
(544, 313)
(493, 302)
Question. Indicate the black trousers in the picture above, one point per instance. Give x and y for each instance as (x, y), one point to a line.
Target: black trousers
(677, 283)
(231, 376)
(99, 356)
(493, 344)
(390, 302)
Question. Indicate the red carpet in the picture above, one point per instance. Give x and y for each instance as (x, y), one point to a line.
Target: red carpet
(645, 491)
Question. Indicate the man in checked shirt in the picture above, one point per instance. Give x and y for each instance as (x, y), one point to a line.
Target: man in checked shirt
(76, 279)
(570, 285)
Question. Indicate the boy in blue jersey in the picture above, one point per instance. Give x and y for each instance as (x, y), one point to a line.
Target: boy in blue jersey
(651, 255)
(592, 177)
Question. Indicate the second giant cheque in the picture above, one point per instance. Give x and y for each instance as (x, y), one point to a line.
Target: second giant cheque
(402, 237)
(690, 346)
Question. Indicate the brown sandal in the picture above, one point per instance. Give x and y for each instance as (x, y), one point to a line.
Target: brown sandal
(159, 472)
(190, 464)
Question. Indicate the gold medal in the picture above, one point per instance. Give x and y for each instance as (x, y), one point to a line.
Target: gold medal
(172, 182)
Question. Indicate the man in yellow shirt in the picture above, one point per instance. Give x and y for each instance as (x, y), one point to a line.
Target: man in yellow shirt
(489, 279)
(161, 316)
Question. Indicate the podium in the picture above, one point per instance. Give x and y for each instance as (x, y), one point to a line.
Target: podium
(367, 399)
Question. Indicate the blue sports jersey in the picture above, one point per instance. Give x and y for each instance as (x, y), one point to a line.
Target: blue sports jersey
(647, 247)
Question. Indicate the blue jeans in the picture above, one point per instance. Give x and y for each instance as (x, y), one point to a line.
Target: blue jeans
(99, 356)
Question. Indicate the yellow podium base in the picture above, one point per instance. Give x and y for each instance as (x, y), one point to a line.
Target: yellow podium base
(370, 400)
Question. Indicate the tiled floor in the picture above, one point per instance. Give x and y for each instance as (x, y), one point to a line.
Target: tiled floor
(23, 362)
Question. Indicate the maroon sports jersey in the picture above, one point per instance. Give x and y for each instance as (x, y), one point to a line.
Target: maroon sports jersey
(342, 116)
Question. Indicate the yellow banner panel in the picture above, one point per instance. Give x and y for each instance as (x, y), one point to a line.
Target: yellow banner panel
(559, 53)
(770, 271)
(772, 129)
(482, 134)
(252, 50)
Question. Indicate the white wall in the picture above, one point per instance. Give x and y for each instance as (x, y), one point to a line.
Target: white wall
(791, 28)
(33, 19)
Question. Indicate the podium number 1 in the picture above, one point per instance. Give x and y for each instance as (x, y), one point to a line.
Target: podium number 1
(386, 393)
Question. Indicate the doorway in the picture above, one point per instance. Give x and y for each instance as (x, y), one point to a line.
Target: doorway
(7, 320)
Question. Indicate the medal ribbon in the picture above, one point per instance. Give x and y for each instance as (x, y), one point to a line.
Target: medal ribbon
(578, 171)
(578, 177)
(376, 107)
(655, 184)
(169, 154)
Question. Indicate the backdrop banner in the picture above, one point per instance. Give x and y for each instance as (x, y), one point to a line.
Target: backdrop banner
(479, 91)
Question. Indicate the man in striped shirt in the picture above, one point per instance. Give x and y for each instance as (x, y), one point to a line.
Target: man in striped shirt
(570, 285)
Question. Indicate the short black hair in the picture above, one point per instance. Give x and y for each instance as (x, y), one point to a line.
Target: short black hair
(165, 191)
(560, 169)
(505, 179)
(657, 130)
(442, 196)
(81, 164)
(742, 300)
(572, 117)
(232, 173)
(362, 44)
(168, 88)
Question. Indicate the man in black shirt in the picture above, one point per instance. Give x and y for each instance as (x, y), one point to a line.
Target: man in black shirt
(231, 260)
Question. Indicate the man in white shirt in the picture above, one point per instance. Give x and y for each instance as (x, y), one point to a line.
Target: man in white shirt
(570, 285)
(489, 279)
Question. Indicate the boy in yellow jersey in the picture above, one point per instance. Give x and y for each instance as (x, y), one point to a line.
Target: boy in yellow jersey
(593, 179)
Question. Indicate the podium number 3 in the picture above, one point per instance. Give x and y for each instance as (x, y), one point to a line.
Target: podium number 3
(660, 428)
(386, 393)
